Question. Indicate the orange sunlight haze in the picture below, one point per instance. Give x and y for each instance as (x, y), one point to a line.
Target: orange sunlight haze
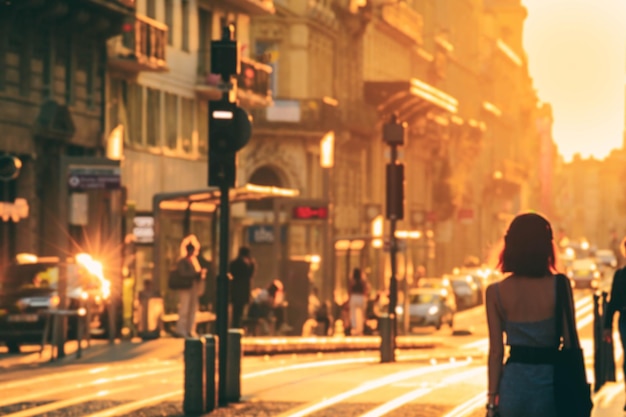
(577, 54)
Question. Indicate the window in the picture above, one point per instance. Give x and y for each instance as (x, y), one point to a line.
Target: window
(267, 53)
(187, 125)
(169, 21)
(153, 128)
(185, 25)
(134, 100)
(151, 9)
(171, 120)
(203, 127)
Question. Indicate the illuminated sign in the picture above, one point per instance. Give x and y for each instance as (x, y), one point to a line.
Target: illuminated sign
(310, 213)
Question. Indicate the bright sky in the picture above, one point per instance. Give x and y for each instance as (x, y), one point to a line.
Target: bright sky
(577, 58)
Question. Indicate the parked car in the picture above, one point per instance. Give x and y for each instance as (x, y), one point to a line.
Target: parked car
(465, 290)
(584, 273)
(28, 289)
(429, 307)
(606, 258)
(436, 283)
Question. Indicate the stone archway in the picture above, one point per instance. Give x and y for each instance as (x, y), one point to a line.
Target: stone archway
(268, 176)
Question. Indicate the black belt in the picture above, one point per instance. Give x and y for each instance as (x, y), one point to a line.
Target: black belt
(532, 355)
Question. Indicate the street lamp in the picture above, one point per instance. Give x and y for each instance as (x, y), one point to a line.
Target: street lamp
(327, 162)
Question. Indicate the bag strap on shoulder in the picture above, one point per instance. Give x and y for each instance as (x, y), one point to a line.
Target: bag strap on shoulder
(564, 310)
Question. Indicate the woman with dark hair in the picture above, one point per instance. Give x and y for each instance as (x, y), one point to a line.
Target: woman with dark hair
(522, 306)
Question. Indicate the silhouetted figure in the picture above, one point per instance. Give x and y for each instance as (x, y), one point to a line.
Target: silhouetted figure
(242, 270)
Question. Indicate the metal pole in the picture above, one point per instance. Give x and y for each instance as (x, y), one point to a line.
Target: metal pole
(328, 283)
(393, 282)
(63, 250)
(222, 293)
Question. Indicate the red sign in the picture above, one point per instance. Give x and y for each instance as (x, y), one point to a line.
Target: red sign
(310, 213)
(465, 214)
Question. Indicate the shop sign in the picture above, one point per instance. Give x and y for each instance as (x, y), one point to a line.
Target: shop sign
(94, 177)
(15, 210)
(264, 234)
(310, 213)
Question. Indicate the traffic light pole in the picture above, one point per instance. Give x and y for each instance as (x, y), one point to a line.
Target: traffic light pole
(230, 128)
(223, 293)
(393, 281)
(393, 135)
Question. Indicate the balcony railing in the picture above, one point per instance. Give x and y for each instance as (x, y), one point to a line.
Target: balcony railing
(299, 114)
(141, 47)
(253, 81)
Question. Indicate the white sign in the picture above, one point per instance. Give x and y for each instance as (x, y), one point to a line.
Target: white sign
(284, 111)
(143, 229)
(79, 209)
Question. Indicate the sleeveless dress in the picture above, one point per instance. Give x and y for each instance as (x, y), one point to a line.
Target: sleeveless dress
(527, 389)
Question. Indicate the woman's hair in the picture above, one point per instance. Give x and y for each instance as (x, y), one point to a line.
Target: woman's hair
(356, 274)
(528, 247)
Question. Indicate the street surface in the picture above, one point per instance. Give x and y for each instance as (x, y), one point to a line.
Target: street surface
(145, 379)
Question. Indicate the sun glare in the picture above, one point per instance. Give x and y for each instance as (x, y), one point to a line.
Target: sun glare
(576, 51)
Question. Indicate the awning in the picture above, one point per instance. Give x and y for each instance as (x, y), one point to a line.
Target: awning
(209, 198)
(410, 99)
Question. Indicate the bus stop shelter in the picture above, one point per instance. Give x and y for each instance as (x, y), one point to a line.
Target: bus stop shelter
(207, 200)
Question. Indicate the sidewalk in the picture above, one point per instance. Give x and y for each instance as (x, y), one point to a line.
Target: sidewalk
(169, 348)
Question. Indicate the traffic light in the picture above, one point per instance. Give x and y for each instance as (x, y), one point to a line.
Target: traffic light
(222, 169)
(395, 191)
(393, 131)
(224, 55)
(230, 127)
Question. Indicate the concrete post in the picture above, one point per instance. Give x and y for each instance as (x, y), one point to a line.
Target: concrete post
(385, 328)
(193, 398)
(211, 371)
(233, 365)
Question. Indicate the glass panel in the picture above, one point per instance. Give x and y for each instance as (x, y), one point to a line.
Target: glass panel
(171, 120)
(154, 119)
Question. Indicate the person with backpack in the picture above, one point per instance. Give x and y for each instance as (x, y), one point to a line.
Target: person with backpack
(190, 275)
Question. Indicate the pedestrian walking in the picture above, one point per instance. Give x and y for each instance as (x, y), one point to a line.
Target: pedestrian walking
(189, 270)
(242, 270)
(617, 303)
(522, 306)
(358, 292)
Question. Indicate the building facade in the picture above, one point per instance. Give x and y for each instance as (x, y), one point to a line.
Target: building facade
(52, 101)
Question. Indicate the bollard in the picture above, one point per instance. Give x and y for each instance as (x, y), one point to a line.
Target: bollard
(597, 344)
(193, 397)
(385, 329)
(211, 372)
(233, 365)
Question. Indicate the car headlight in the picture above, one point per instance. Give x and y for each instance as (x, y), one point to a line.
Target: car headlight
(55, 300)
(433, 310)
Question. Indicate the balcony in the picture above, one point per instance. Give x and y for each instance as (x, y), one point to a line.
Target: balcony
(404, 20)
(141, 47)
(254, 7)
(315, 115)
(253, 82)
